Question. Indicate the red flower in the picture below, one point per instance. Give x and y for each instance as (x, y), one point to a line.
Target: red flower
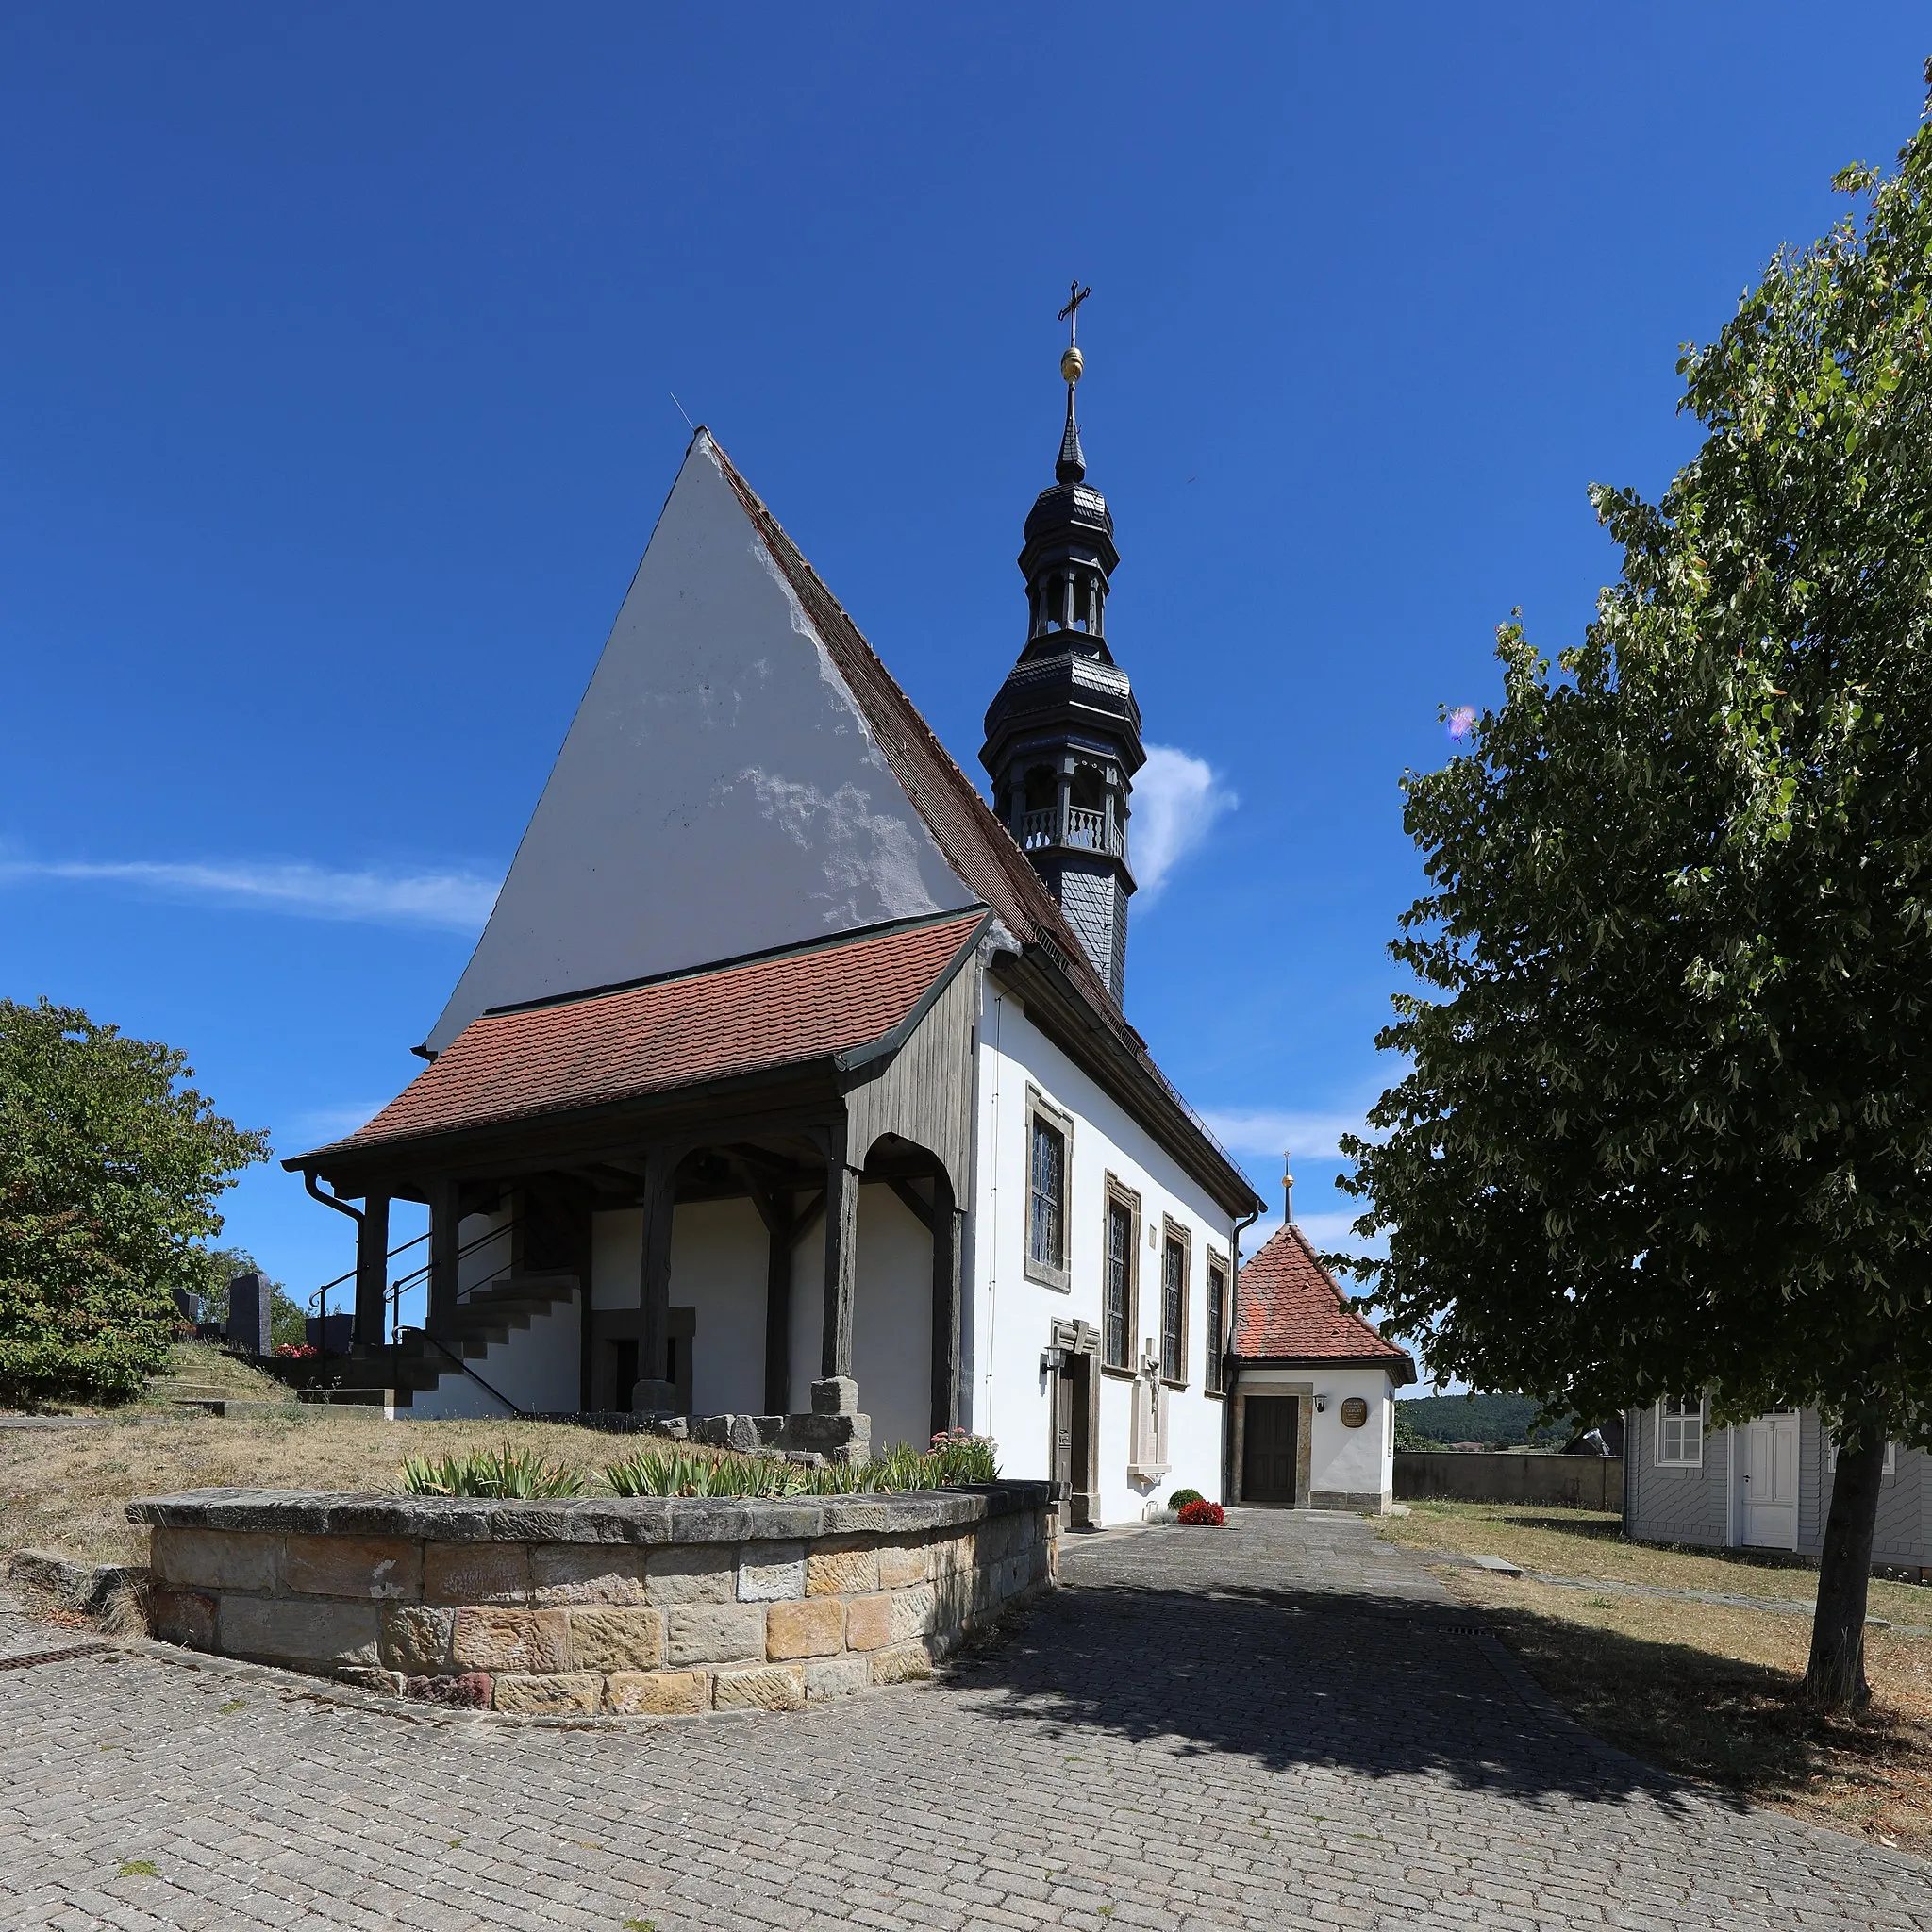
(1211, 1515)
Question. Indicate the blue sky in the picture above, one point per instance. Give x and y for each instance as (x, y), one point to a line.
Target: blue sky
(337, 352)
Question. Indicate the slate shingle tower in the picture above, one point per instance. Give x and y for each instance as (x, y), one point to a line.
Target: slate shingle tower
(1064, 735)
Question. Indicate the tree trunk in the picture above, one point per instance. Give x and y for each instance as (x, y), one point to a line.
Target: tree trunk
(1835, 1678)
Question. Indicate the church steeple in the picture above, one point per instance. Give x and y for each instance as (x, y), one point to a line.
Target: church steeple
(1064, 735)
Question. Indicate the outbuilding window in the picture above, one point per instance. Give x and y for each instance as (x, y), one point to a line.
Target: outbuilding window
(1048, 1135)
(1680, 1432)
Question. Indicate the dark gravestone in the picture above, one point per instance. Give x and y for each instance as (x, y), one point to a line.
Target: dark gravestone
(330, 1334)
(248, 1307)
(187, 1305)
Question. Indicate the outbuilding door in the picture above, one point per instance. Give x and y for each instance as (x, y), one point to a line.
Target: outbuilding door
(1771, 1480)
(1271, 1433)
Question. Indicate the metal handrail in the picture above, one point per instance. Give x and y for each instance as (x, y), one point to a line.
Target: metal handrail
(474, 1376)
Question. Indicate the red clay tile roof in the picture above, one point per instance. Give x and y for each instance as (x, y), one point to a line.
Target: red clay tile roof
(679, 1032)
(1289, 1308)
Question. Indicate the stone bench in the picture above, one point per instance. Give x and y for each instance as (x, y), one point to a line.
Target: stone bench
(648, 1605)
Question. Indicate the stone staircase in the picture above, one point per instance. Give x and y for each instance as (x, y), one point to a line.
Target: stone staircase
(393, 1377)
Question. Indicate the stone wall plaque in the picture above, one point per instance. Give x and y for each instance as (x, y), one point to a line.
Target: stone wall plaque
(1355, 1413)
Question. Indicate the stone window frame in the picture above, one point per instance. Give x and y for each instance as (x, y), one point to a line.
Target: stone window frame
(1213, 1371)
(1118, 1195)
(1677, 1410)
(1040, 1109)
(1176, 1234)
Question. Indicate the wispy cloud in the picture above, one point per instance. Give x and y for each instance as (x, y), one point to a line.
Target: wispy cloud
(1303, 1136)
(1176, 799)
(452, 901)
(316, 1127)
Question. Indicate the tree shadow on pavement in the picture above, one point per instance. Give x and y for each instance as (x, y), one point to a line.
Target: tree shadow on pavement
(1378, 1682)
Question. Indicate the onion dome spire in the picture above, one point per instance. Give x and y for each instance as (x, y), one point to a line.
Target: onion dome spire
(1063, 731)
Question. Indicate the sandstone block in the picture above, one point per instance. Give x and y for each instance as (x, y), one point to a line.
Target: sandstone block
(869, 1621)
(767, 1572)
(904, 1663)
(365, 1678)
(416, 1637)
(715, 1633)
(471, 1690)
(841, 1566)
(616, 1638)
(364, 1566)
(698, 1573)
(213, 1559)
(899, 1565)
(912, 1612)
(954, 1554)
(812, 1627)
(309, 1631)
(562, 1690)
(657, 1694)
(827, 1677)
(476, 1573)
(763, 1687)
(587, 1573)
(516, 1640)
(183, 1616)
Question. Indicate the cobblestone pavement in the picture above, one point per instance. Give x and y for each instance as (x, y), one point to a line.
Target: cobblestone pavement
(1285, 1723)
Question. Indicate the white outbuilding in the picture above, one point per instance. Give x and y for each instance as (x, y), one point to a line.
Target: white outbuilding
(1311, 1388)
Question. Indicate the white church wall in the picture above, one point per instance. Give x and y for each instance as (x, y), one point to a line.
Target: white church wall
(617, 1253)
(536, 1367)
(716, 742)
(1012, 1317)
(891, 1323)
(486, 1259)
(718, 1267)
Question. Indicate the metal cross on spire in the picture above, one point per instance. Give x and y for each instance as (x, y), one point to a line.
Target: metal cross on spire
(1071, 313)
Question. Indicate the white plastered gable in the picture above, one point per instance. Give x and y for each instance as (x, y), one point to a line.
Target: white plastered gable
(719, 791)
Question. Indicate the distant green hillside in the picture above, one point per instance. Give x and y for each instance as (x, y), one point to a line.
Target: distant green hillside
(1485, 1418)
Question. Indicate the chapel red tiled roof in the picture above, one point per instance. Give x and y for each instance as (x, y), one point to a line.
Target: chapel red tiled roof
(1289, 1308)
(677, 1032)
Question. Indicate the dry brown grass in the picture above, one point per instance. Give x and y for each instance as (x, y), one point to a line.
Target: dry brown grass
(67, 1489)
(1702, 1690)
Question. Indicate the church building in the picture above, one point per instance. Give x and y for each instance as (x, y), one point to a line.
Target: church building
(788, 1090)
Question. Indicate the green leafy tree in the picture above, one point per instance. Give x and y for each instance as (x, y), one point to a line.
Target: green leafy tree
(108, 1173)
(1667, 1124)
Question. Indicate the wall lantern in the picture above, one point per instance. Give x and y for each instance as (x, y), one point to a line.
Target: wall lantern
(1321, 1404)
(1052, 1360)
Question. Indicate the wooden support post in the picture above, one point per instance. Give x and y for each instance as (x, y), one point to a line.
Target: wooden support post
(655, 1392)
(781, 1232)
(444, 1213)
(371, 1326)
(948, 1232)
(842, 1257)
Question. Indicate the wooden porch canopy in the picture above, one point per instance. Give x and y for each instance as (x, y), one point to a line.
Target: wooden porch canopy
(755, 1077)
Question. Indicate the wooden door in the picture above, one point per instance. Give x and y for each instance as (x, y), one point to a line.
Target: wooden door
(1063, 1427)
(1771, 1481)
(1271, 1437)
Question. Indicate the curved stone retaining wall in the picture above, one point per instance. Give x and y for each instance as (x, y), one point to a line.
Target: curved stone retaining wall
(645, 1606)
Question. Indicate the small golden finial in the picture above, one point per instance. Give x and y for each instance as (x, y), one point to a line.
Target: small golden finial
(1072, 361)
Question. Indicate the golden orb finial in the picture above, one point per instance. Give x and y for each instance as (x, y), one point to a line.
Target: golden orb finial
(1071, 363)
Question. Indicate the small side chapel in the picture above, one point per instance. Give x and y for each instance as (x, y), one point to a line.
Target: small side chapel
(788, 1090)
